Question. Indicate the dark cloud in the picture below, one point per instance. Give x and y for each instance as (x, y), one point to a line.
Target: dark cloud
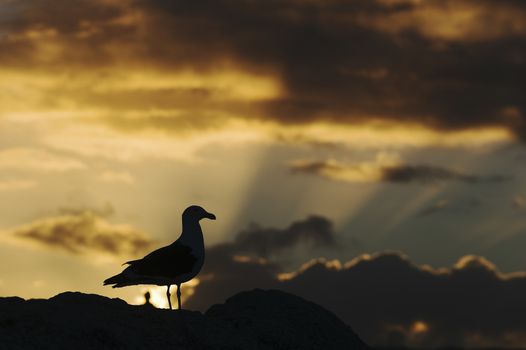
(390, 301)
(316, 167)
(338, 65)
(375, 171)
(424, 62)
(259, 244)
(427, 173)
(84, 231)
(264, 242)
(261, 253)
(55, 34)
(423, 173)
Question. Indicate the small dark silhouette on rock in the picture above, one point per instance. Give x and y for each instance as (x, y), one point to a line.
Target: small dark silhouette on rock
(147, 302)
(174, 264)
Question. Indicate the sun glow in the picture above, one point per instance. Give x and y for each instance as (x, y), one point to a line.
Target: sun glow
(158, 294)
(419, 327)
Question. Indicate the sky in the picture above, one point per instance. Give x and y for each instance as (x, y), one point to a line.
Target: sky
(367, 155)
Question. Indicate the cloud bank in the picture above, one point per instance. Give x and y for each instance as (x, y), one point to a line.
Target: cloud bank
(392, 302)
(446, 65)
(82, 232)
(264, 242)
(385, 172)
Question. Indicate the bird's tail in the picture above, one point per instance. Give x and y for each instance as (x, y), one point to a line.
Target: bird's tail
(119, 280)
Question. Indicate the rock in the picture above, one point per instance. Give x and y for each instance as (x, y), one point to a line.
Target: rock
(249, 320)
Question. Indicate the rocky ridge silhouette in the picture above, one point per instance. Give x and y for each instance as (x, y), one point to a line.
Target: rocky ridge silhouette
(258, 319)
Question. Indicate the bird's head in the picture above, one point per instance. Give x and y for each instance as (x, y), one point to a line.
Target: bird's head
(196, 213)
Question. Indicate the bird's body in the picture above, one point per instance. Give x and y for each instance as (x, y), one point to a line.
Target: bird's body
(176, 263)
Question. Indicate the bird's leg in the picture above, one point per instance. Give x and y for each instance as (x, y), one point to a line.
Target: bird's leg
(179, 296)
(168, 295)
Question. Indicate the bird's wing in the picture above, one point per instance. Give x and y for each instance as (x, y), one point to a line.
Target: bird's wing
(170, 261)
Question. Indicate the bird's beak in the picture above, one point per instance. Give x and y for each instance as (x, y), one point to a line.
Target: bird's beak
(210, 216)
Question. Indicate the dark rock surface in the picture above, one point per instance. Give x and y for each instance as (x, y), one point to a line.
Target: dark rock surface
(249, 320)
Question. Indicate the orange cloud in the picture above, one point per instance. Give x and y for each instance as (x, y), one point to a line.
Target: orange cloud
(82, 233)
(138, 65)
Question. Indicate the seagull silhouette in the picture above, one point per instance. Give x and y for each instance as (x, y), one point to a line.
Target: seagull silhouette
(174, 264)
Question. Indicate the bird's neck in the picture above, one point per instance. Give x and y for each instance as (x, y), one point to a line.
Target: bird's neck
(192, 234)
(191, 226)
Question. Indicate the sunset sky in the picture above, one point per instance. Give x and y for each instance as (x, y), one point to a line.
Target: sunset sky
(338, 142)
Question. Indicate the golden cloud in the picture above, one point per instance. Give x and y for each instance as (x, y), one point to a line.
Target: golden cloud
(333, 170)
(82, 233)
(175, 67)
(388, 168)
